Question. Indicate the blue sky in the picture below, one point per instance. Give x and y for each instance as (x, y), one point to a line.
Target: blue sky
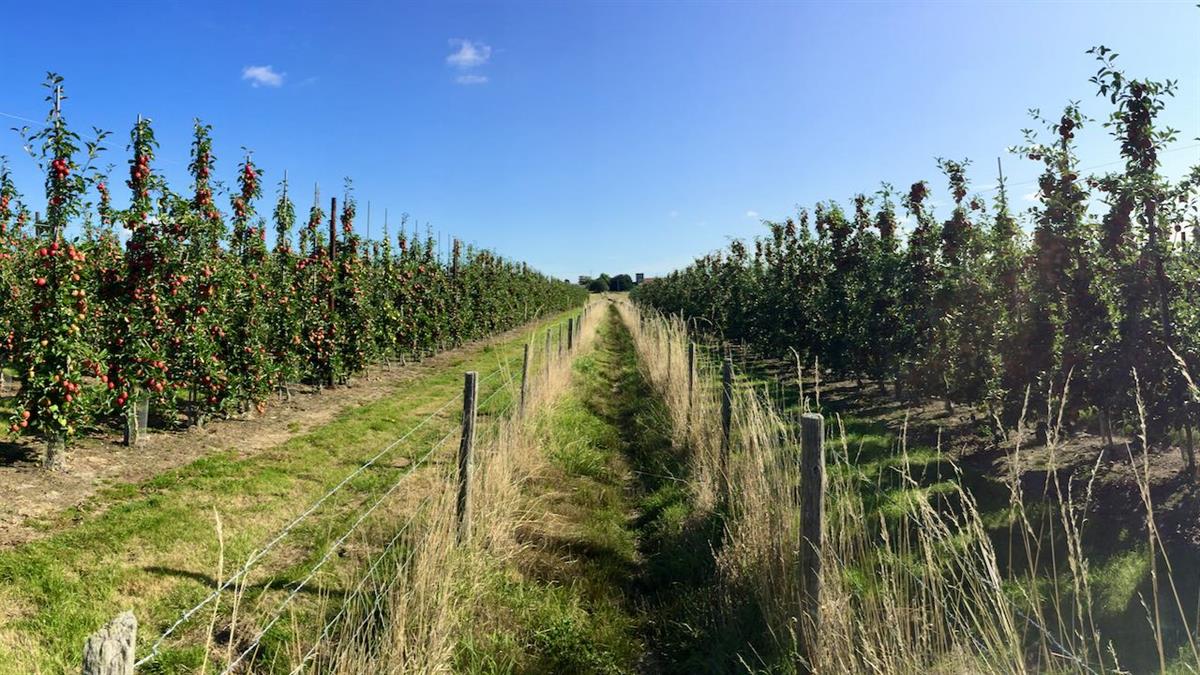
(592, 137)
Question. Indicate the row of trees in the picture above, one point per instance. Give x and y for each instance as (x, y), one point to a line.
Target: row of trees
(972, 308)
(193, 312)
(605, 283)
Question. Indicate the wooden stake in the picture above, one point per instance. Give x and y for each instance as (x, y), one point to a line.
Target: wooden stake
(333, 264)
(691, 377)
(812, 520)
(524, 378)
(110, 650)
(465, 448)
(726, 422)
(1189, 407)
(570, 334)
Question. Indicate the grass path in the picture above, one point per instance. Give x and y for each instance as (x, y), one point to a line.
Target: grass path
(153, 546)
(616, 563)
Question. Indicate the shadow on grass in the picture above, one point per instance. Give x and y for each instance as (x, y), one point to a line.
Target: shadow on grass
(277, 582)
(690, 621)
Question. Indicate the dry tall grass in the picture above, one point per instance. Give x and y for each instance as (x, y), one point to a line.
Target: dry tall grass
(921, 592)
(407, 607)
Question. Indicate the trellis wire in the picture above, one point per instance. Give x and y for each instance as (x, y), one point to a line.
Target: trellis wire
(260, 553)
(362, 582)
(329, 554)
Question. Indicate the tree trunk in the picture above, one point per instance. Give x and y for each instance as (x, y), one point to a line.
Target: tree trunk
(56, 453)
(1160, 273)
(137, 419)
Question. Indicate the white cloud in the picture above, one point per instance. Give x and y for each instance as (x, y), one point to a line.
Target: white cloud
(469, 54)
(263, 76)
(1035, 196)
(752, 214)
(471, 78)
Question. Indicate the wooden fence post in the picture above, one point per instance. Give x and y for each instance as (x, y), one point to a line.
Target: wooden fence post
(1189, 413)
(726, 423)
(334, 266)
(524, 378)
(812, 523)
(570, 334)
(691, 366)
(547, 354)
(465, 447)
(691, 388)
(110, 650)
(669, 350)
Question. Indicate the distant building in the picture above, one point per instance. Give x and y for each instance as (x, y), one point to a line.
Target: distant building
(641, 276)
(583, 279)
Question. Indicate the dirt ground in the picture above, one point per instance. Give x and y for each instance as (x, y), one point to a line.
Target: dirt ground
(32, 495)
(1116, 498)
(963, 435)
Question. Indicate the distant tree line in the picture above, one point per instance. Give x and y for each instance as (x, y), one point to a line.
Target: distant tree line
(974, 308)
(605, 283)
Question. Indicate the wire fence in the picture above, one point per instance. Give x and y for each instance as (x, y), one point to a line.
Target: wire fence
(329, 553)
(382, 593)
(711, 354)
(383, 553)
(278, 614)
(262, 552)
(258, 555)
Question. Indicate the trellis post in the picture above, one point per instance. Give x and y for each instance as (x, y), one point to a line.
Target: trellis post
(812, 538)
(726, 422)
(465, 449)
(524, 378)
(334, 266)
(110, 650)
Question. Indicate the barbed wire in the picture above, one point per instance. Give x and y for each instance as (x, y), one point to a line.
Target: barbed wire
(362, 583)
(330, 550)
(261, 553)
(378, 596)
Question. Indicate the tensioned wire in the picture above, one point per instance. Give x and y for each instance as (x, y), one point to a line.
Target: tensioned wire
(270, 545)
(329, 552)
(278, 614)
(325, 632)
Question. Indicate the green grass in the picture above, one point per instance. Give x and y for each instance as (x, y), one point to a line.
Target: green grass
(626, 581)
(565, 610)
(152, 547)
(1118, 563)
